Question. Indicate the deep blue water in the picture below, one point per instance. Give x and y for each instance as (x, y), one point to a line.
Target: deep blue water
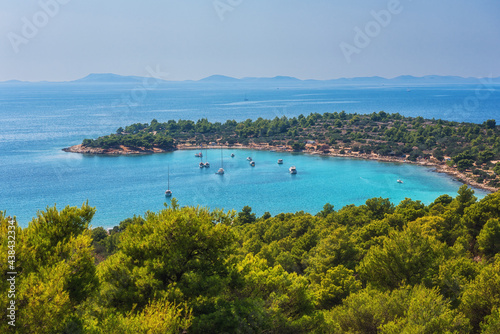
(37, 121)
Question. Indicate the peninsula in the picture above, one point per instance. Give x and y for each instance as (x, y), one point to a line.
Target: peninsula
(467, 151)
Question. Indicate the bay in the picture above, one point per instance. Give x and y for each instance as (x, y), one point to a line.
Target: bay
(38, 120)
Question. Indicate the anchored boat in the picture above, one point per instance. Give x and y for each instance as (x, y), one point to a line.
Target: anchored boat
(168, 192)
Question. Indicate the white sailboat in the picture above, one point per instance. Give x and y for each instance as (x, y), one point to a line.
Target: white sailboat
(200, 155)
(221, 169)
(207, 164)
(293, 170)
(168, 192)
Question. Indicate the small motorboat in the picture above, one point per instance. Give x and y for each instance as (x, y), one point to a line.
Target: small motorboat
(280, 161)
(252, 163)
(293, 170)
(232, 155)
(220, 171)
(249, 158)
(199, 155)
(399, 181)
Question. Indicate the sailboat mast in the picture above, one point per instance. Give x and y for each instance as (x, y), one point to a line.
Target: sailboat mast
(168, 178)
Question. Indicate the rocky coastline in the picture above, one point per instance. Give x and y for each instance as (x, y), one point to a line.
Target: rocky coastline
(438, 166)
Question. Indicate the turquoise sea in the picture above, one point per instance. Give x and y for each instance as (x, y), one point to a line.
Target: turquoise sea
(38, 120)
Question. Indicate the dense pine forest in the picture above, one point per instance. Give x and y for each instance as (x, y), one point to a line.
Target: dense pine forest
(471, 149)
(373, 268)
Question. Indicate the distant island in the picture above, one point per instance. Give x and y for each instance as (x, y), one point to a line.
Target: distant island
(469, 152)
(162, 79)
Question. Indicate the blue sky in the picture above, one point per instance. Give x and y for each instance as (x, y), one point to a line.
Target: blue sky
(318, 39)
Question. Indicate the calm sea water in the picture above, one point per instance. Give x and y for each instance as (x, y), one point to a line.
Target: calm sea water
(37, 121)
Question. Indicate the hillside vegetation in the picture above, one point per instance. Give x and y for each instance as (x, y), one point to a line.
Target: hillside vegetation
(373, 268)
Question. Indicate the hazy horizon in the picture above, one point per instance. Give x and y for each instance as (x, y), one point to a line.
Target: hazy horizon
(248, 77)
(64, 40)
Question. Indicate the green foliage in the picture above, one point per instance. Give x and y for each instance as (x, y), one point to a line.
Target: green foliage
(297, 146)
(373, 268)
(52, 228)
(464, 199)
(327, 209)
(406, 310)
(490, 124)
(411, 256)
(477, 214)
(438, 154)
(410, 210)
(489, 238)
(443, 199)
(371, 234)
(379, 207)
(287, 299)
(245, 216)
(336, 284)
(169, 254)
(482, 295)
(99, 234)
(45, 305)
(426, 311)
(112, 241)
(62, 236)
(365, 311)
(158, 317)
(496, 169)
(56, 270)
(464, 164)
(334, 249)
(454, 275)
(491, 324)
(284, 239)
(485, 156)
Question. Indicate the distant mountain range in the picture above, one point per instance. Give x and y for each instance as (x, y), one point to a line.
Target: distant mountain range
(109, 78)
